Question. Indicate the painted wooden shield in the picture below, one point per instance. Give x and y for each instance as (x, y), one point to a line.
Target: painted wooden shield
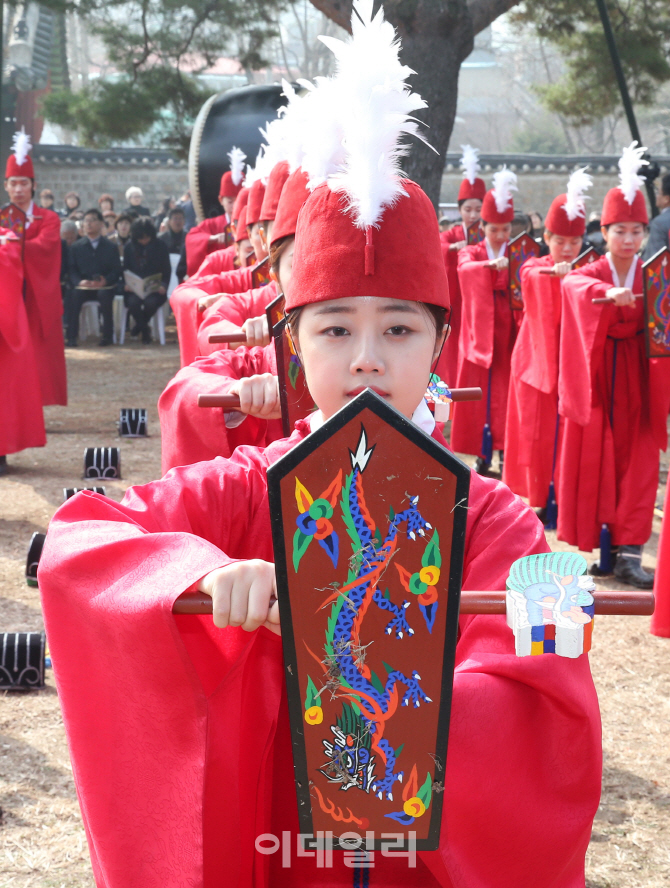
(520, 249)
(260, 274)
(656, 278)
(296, 401)
(474, 234)
(586, 258)
(369, 517)
(13, 218)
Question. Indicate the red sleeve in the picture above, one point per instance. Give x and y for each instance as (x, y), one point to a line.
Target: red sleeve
(13, 320)
(477, 306)
(230, 312)
(218, 261)
(189, 433)
(524, 762)
(535, 357)
(42, 260)
(197, 242)
(583, 333)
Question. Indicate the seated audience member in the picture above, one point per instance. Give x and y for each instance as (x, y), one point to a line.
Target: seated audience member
(145, 255)
(121, 233)
(106, 203)
(162, 215)
(69, 235)
(594, 237)
(47, 199)
(186, 205)
(175, 234)
(521, 224)
(110, 218)
(72, 204)
(95, 269)
(134, 196)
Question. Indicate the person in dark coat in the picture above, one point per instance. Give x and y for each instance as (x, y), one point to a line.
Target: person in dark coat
(134, 196)
(145, 255)
(95, 269)
(659, 227)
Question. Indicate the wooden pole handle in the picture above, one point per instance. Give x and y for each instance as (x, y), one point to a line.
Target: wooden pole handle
(238, 336)
(607, 602)
(466, 394)
(228, 402)
(606, 299)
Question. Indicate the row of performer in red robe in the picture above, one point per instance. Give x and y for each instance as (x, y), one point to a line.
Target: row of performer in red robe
(569, 395)
(179, 733)
(32, 356)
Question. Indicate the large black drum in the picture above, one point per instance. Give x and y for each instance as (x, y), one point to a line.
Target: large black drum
(231, 118)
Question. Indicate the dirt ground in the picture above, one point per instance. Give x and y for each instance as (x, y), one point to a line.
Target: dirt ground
(42, 841)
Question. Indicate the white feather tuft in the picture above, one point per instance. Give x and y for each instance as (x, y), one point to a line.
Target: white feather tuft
(236, 157)
(504, 183)
(470, 163)
(578, 184)
(629, 163)
(371, 81)
(21, 145)
(254, 172)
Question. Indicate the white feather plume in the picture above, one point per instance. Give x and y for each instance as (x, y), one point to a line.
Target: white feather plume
(254, 172)
(236, 157)
(371, 79)
(470, 163)
(504, 183)
(578, 184)
(21, 145)
(629, 163)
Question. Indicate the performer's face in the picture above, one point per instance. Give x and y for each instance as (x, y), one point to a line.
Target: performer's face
(347, 345)
(471, 211)
(563, 249)
(245, 252)
(257, 241)
(624, 239)
(497, 235)
(227, 203)
(20, 191)
(286, 265)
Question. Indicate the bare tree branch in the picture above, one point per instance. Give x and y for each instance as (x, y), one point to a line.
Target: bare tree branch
(483, 12)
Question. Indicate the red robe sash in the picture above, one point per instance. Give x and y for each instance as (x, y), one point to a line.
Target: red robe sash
(532, 407)
(178, 732)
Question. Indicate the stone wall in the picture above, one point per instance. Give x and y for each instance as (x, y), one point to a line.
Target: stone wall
(92, 173)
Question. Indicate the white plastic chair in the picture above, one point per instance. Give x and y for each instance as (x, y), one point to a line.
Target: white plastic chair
(174, 262)
(157, 323)
(89, 319)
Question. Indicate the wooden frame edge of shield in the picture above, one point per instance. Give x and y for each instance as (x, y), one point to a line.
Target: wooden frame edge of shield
(370, 401)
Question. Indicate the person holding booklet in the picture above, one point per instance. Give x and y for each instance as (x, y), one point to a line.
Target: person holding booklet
(146, 261)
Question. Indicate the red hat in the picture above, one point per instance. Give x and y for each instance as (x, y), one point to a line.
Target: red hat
(331, 253)
(557, 221)
(293, 195)
(276, 179)
(255, 202)
(19, 162)
(240, 203)
(617, 209)
(626, 203)
(228, 188)
(498, 206)
(241, 231)
(472, 190)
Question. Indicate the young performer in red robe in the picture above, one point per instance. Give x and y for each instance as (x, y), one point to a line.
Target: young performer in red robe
(660, 622)
(470, 197)
(21, 418)
(179, 736)
(532, 429)
(41, 268)
(614, 400)
(214, 234)
(488, 329)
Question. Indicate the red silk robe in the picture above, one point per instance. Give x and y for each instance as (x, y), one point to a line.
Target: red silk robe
(230, 312)
(44, 303)
(218, 261)
(179, 734)
(198, 244)
(192, 434)
(488, 332)
(447, 366)
(660, 622)
(21, 417)
(610, 450)
(184, 304)
(532, 406)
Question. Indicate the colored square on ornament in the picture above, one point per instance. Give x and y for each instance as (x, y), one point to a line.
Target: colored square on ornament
(549, 646)
(549, 631)
(656, 280)
(536, 647)
(369, 545)
(537, 633)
